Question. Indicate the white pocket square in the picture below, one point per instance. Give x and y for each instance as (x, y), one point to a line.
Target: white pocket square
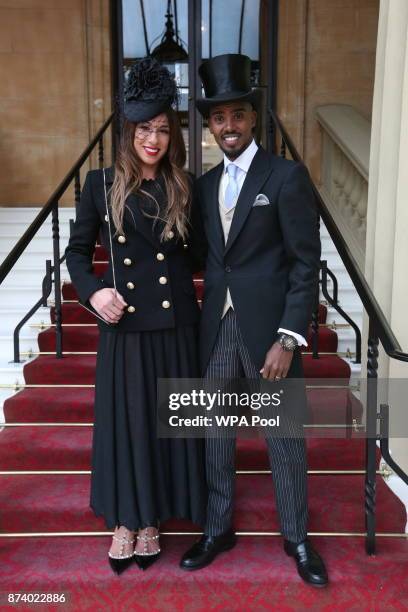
(261, 200)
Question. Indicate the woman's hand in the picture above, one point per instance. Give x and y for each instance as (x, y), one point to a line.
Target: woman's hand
(109, 304)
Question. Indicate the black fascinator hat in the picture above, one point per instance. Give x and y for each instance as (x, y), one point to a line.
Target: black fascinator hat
(149, 90)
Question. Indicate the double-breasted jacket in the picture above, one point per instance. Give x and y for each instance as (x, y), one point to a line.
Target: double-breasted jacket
(154, 277)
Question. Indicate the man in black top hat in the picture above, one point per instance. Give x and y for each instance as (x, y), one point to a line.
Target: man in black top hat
(261, 282)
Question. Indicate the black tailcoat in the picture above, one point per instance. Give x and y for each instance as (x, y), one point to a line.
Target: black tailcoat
(271, 260)
(157, 305)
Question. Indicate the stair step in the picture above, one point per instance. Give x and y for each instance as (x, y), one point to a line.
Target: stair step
(255, 575)
(27, 343)
(10, 317)
(12, 231)
(10, 370)
(49, 406)
(39, 448)
(33, 503)
(20, 294)
(326, 366)
(75, 313)
(14, 221)
(28, 213)
(74, 339)
(33, 272)
(87, 339)
(47, 369)
(322, 454)
(327, 340)
(100, 253)
(334, 406)
(351, 310)
(38, 247)
(69, 448)
(75, 405)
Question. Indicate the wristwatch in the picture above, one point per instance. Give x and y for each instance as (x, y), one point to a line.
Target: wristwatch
(287, 342)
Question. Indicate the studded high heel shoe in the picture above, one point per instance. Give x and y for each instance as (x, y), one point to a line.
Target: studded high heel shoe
(121, 562)
(146, 558)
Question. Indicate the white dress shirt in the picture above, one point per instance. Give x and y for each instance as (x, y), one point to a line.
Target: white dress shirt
(243, 163)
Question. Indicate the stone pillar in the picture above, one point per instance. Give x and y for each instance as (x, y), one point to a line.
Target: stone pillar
(387, 214)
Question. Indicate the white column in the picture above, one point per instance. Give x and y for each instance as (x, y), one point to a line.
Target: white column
(386, 265)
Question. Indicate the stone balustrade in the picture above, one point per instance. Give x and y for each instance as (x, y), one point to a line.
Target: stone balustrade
(344, 172)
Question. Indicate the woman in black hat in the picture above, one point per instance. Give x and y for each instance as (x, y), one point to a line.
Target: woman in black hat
(147, 314)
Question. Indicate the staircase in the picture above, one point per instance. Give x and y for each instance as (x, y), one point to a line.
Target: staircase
(256, 575)
(348, 300)
(22, 288)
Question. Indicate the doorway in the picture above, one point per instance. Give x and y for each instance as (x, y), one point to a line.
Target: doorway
(183, 33)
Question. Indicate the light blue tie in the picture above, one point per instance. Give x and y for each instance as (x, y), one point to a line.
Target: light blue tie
(231, 192)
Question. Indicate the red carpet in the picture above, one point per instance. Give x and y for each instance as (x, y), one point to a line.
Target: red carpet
(336, 504)
(256, 575)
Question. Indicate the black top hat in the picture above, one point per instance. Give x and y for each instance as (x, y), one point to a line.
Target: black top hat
(226, 78)
(150, 89)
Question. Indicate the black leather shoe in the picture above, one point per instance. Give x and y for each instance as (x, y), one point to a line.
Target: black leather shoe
(309, 564)
(205, 550)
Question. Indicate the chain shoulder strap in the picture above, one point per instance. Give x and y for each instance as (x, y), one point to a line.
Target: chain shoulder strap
(111, 252)
(109, 229)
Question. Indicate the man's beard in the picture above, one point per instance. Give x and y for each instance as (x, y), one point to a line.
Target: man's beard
(233, 154)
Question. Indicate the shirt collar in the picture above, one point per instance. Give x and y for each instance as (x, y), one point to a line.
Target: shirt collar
(245, 159)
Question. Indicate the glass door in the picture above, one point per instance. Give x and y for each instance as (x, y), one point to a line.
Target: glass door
(228, 26)
(183, 33)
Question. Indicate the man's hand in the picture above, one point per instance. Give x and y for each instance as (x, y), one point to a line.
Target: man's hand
(109, 304)
(277, 363)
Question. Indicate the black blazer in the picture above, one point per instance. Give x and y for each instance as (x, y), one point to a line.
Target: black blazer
(156, 305)
(271, 260)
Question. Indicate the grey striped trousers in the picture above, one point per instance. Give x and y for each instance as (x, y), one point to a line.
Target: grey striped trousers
(287, 456)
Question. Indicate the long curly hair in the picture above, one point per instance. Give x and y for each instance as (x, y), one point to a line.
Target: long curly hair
(128, 179)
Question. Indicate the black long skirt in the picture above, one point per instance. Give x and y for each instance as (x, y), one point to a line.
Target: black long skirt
(138, 478)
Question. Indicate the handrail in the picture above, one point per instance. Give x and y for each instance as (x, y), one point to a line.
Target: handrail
(31, 231)
(333, 301)
(51, 207)
(370, 303)
(384, 443)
